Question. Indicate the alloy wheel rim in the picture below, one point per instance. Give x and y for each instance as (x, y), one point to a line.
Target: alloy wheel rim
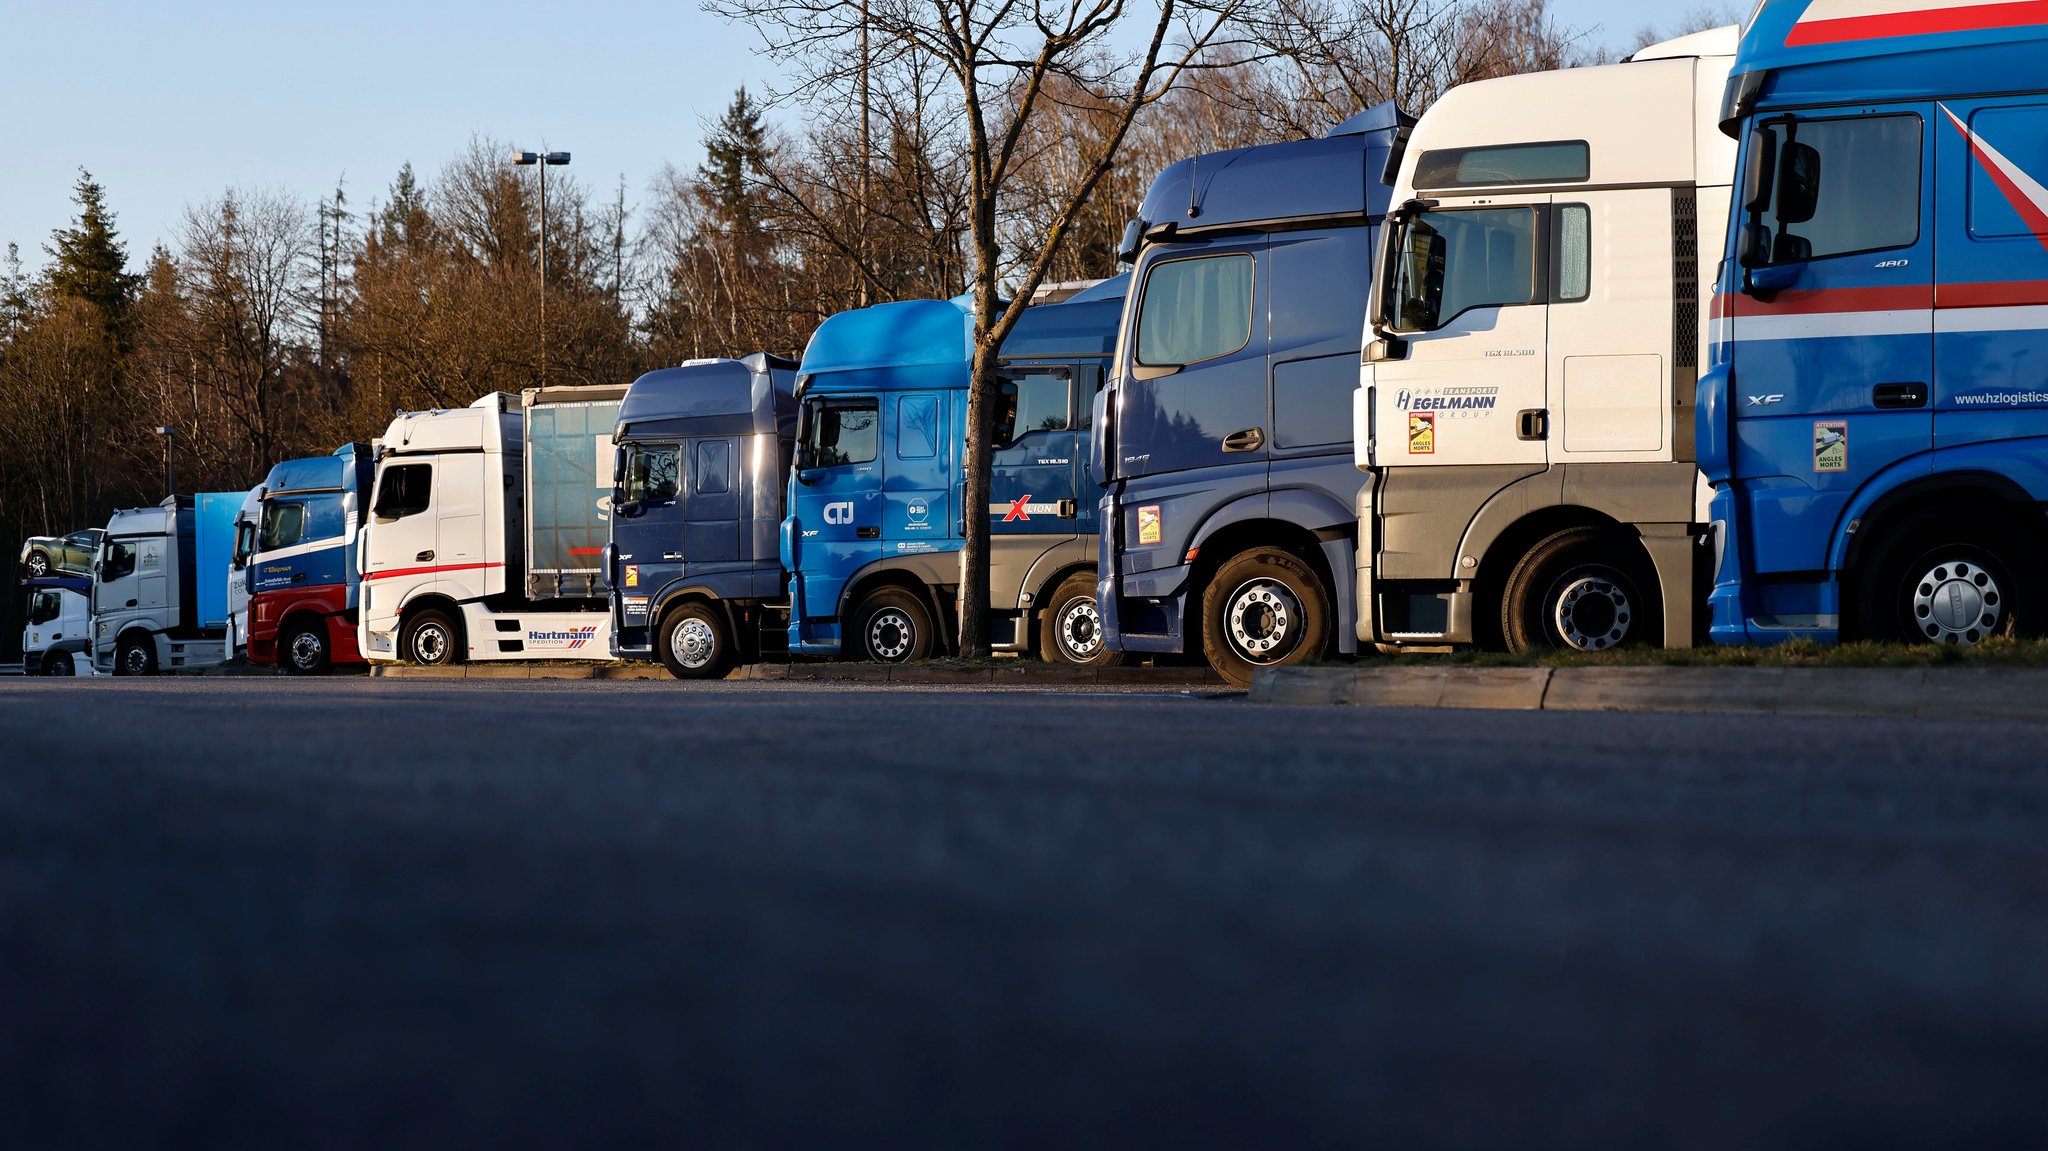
(1080, 628)
(693, 643)
(430, 644)
(1593, 613)
(889, 635)
(1264, 621)
(1957, 602)
(306, 649)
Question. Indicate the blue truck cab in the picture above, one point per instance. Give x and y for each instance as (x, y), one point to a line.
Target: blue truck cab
(876, 520)
(1875, 420)
(300, 572)
(694, 564)
(1224, 444)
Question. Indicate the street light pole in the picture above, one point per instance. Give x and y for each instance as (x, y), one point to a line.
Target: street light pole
(170, 473)
(542, 160)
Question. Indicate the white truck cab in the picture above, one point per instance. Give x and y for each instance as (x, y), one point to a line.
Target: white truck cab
(1539, 322)
(58, 637)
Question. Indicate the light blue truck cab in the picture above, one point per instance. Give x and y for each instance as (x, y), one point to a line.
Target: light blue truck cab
(1229, 515)
(694, 560)
(1875, 420)
(302, 578)
(876, 520)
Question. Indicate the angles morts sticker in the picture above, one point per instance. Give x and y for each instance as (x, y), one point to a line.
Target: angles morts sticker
(1421, 433)
(1830, 445)
(1148, 524)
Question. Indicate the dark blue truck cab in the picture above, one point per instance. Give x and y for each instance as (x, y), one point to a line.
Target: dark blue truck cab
(702, 452)
(876, 519)
(1224, 443)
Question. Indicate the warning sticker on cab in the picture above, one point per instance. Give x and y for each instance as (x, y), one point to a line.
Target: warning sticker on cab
(1148, 524)
(1421, 433)
(1831, 445)
(632, 575)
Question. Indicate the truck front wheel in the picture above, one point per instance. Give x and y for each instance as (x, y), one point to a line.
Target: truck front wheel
(1263, 608)
(1579, 590)
(58, 663)
(135, 656)
(1949, 577)
(891, 626)
(695, 643)
(306, 650)
(1070, 630)
(431, 639)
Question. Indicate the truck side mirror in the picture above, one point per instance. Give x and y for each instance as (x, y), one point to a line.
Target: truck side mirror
(1799, 183)
(1762, 170)
(1753, 246)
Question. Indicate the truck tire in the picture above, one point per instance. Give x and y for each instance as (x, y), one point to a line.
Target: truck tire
(58, 663)
(1949, 577)
(1263, 608)
(38, 564)
(891, 626)
(431, 639)
(306, 650)
(1581, 589)
(1070, 627)
(135, 656)
(695, 643)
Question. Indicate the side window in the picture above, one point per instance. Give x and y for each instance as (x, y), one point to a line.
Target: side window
(651, 473)
(1574, 254)
(714, 467)
(1088, 386)
(245, 543)
(917, 427)
(1452, 262)
(1843, 187)
(841, 433)
(1196, 309)
(120, 561)
(404, 490)
(284, 524)
(1031, 402)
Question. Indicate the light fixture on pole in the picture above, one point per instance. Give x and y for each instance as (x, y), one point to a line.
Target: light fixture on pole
(170, 475)
(542, 160)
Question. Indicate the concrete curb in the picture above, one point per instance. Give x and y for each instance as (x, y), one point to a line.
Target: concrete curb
(1920, 693)
(1019, 674)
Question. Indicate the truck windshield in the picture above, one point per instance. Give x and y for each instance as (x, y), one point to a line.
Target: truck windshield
(1835, 187)
(841, 432)
(651, 473)
(1450, 262)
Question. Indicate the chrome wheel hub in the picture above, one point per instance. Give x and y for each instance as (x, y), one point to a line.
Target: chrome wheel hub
(889, 635)
(430, 645)
(693, 642)
(1080, 624)
(1593, 614)
(306, 649)
(1957, 602)
(1263, 620)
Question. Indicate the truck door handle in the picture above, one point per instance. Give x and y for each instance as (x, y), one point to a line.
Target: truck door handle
(424, 557)
(1248, 440)
(299, 578)
(1067, 509)
(867, 533)
(1532, 424)
(131, 603)
(1899, 395)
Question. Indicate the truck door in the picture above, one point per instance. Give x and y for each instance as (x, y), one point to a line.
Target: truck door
(402, 550)
(835, 504)
(917, 491)
(711, 529)
(647, 524)
(1087, 498)
(1991, 264)
(1031, 478)
(1611, 361)
(1833, 354)
(1195, 393)
(1466, 295)
(465, 571)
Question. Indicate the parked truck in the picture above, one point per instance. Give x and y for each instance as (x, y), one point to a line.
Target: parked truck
(159, 591)
(876, 519)
(303, 580)
(694, 560)
(487, 531)
(1525, 409)
(58, 636)
(1223, 446)
(1875, 423)
(248, 519)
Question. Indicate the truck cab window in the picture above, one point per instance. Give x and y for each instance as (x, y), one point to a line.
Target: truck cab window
(120, 561)
(841, 433)
(245, 543)
(1838, 187)
(1031, 402)
(1451, 262)
(1195, 309)
(404, 490)
(284, 524)
(651, 474)
(44, 607)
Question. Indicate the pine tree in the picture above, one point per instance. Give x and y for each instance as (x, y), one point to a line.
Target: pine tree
(89, 263)
(405, 222)
(735, 152)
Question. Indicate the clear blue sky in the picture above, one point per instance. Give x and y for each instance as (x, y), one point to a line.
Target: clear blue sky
(168, 103)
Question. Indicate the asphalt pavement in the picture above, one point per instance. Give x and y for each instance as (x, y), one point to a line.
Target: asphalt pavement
(388, 913)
